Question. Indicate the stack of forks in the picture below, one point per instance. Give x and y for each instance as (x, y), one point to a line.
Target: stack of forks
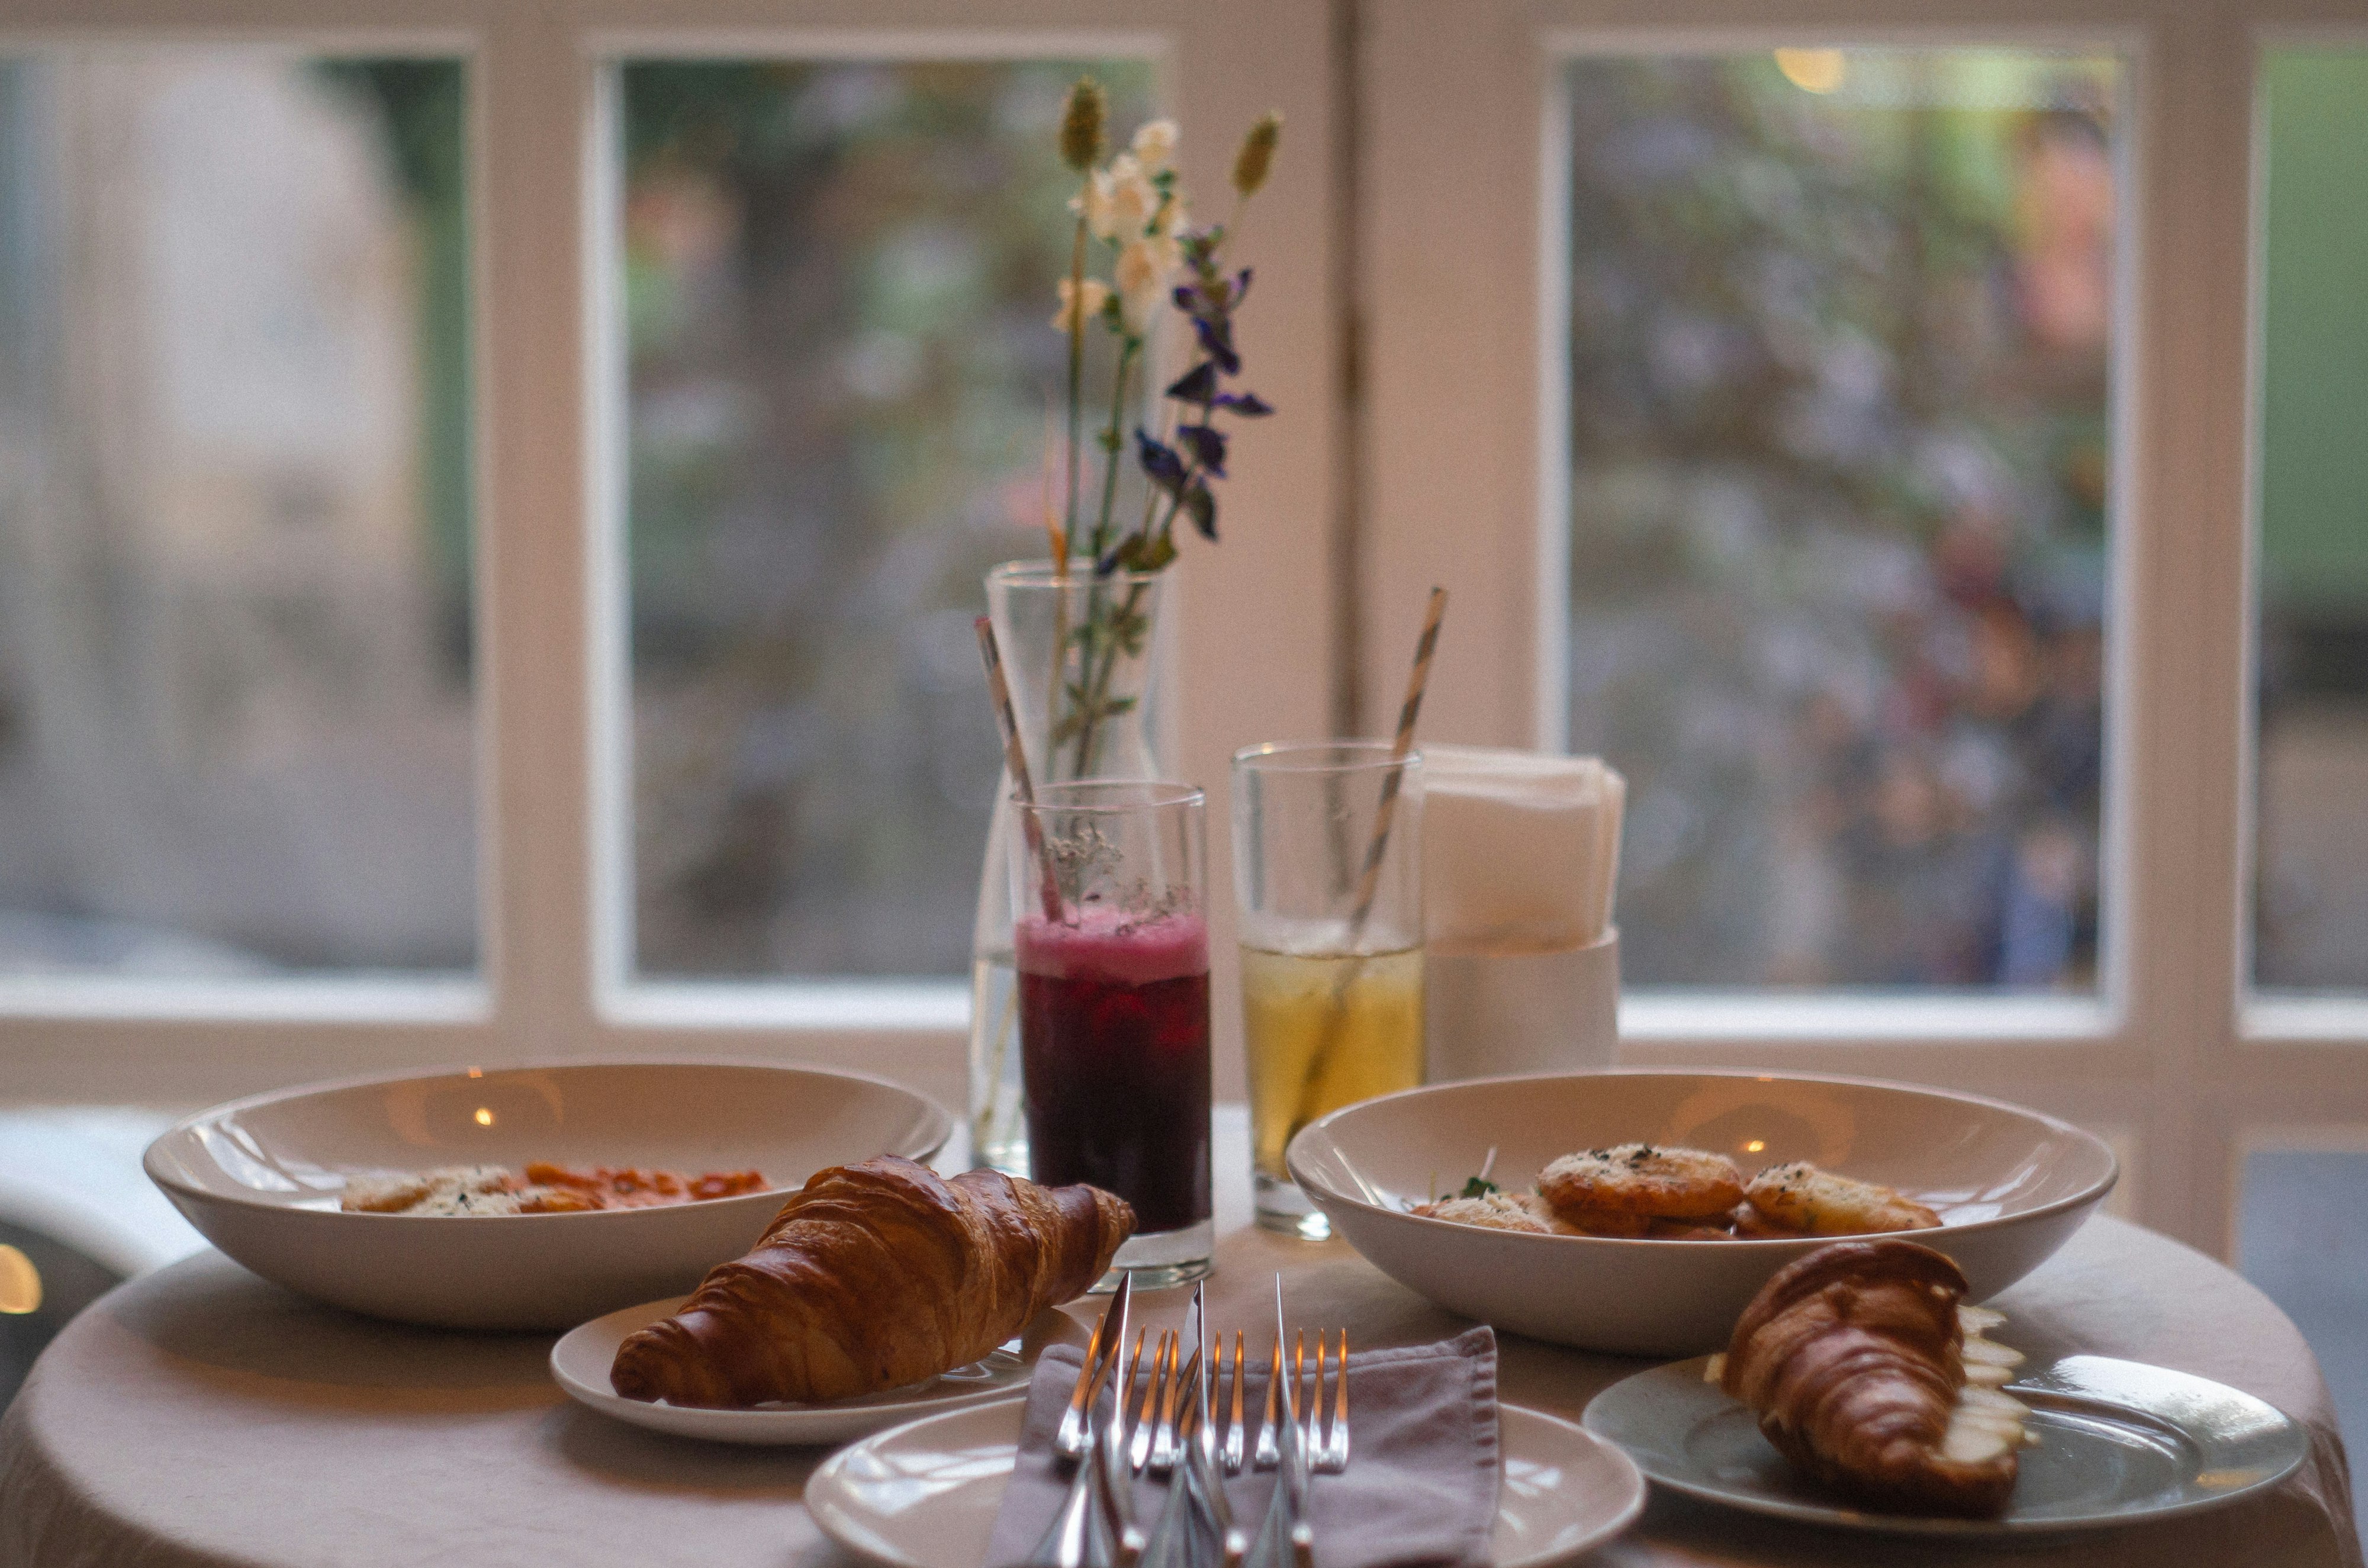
(1165, 1417)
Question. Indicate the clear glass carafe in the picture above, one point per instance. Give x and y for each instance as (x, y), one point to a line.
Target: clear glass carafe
(1080, 653)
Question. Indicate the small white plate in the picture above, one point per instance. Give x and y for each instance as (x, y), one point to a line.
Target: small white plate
(925, 1496)
(2118, 1442)
(581, 1360)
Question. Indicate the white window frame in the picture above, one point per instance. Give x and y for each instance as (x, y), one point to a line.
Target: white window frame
(1461, 241)
(550, 674)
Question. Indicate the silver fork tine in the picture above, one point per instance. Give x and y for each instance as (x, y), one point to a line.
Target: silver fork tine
(1166, 1443)
(1301, 1398)
(1335, 1438)
(1170, 1384)
(1102, 1358)
(1269, 1449)
(1123, 1394)
(1314, 1411)
(1162, 1360)
(1234, 1441)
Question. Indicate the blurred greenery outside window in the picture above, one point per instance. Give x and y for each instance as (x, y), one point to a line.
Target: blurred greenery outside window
(839, 282)
(2310, 913)
(236, 694)
(1841, 329)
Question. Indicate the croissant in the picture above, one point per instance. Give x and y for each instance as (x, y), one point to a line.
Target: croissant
(1855, 1358)
(874, 1276)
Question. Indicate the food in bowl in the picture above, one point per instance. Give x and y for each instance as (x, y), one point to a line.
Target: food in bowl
(1797, 1199)
(1497, 1210)
(543, 1189)
(1875, 1380)
(262, 1179)
(2009, 1185)
(873, 1275)
(1648, 1192)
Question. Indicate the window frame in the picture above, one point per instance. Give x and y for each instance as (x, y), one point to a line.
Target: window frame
(546, 589)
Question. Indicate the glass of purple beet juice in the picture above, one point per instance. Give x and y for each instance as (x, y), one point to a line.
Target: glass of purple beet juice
(1112, 954)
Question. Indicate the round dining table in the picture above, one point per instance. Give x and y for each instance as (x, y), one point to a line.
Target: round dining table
(200, 1417)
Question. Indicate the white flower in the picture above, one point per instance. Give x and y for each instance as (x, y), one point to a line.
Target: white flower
(1133, 198)
(1092, 297)
(1143, 268)
(1154, 144)
(1119, 201)
(1174, 218)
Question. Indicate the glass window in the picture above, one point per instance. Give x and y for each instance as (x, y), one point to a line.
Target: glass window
(1840, 334)
(2310, 917)
(840, 292)
(236, 712)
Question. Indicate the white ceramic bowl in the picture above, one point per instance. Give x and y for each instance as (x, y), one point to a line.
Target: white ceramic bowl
(2011, 1184)
(261, 1179)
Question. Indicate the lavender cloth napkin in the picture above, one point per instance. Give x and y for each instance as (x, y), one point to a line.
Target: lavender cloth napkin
(1420, 1490)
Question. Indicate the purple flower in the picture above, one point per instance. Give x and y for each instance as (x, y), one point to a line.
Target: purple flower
(1217, 342)
(1198, 384)
(1207, 445)
(1200, 505)
(1160, 460)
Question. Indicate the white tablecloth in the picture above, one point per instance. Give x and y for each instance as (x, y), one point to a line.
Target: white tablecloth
(199, 1417)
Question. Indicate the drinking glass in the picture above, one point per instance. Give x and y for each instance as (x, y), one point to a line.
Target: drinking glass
(1113, 952)
(1331, 936)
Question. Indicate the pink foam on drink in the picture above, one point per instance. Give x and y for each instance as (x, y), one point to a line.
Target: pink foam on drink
(1107, 946)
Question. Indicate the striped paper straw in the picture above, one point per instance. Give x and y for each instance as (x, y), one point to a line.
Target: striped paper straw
(1369, 883)
(1015, 759)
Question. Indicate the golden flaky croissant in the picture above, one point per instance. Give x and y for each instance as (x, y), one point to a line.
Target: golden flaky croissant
(874, 1276)
(1856, 1358)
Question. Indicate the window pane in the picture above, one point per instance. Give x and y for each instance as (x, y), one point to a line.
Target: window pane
(235, 704)
(839, 290)
(1839, 337)
(2297, 1207)
(2310, 922)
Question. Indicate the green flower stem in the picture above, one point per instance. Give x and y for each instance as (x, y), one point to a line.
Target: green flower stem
(1114, 445)
(1113, 637)
(1076, 384)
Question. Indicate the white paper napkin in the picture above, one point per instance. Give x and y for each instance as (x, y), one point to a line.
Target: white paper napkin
(1519, 849)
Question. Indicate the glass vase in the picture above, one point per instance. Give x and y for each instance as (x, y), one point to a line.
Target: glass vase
(1081, 655)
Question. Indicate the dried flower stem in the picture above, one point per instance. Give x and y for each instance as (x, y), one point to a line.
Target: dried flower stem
(1097, 685)
(1114, 443)
(1076, 386)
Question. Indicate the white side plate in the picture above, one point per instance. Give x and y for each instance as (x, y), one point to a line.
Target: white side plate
(925, 1496)
(2119, 1441)
(581, 1360)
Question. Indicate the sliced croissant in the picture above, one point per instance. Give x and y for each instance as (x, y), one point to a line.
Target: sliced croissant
(1857, 1361)
(875, 1276)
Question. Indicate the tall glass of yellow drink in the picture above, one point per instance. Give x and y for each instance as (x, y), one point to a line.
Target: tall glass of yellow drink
(1331, 943)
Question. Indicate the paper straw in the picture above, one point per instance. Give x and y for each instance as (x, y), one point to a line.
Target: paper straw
(1369, 883)
(1015, 759)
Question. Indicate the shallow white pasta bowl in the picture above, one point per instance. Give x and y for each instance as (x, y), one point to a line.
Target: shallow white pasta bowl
(261, 1179)
(2011, 1185)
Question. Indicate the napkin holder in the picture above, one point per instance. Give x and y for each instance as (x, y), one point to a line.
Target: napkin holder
(1489, 1014)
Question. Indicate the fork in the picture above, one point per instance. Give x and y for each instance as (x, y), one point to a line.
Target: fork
(1166, 1438)
(1196, 1527)
(1287, 1540)
(1322, 1421)
(1326, 1455)
(1101, 1360)
(1231, 1447)
(1155, 1420)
